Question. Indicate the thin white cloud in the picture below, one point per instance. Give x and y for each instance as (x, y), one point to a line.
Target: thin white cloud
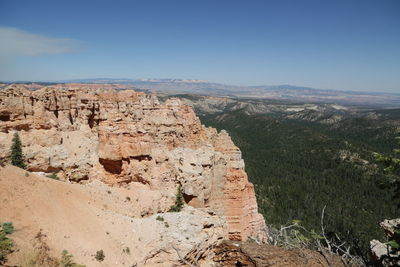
(15, 42)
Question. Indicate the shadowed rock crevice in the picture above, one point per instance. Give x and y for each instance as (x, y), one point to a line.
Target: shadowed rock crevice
(192, 200)
(111, 166)
(188, 198)
(71, 120)
(91, 120)
(4, 117)
(142, 157)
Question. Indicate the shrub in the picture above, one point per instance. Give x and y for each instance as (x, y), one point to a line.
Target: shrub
(67, 260)
(53, 176)
(8, 228)
(178, 201)
(127, 250)
(99, 255)
(17, 158)
(160, 218)
(6, 243)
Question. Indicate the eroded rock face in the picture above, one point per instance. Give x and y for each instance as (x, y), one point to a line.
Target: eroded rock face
(94, 132)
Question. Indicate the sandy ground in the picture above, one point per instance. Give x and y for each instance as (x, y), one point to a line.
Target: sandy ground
(86, 218)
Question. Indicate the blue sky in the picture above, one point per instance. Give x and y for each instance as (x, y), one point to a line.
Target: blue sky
(349, 44)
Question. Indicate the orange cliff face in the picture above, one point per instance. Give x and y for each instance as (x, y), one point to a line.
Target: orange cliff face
(122, 137)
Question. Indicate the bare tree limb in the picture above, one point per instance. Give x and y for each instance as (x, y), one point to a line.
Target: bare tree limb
(181, 258)
(323, 229)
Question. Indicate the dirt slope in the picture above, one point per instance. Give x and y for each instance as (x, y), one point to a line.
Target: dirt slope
(86, 218)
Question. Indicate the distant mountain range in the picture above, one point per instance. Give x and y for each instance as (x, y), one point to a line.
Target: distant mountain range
(291, 93)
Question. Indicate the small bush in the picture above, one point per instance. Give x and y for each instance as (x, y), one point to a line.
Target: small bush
(100, 255)
(6, 243)
(53, 176)
(160, 218)
(67, 260)
(127, 250)
(8, 228)
(166, 224)
(178, 201)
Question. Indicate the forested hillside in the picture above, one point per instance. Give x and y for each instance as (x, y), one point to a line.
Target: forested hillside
(299, 166)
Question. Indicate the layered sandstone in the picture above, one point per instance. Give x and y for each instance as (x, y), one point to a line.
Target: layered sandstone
(125, 138)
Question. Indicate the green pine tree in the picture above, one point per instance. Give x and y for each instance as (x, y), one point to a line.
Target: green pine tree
(17, 158)
(179, 202)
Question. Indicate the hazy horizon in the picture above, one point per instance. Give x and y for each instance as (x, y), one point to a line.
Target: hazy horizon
(188, 80)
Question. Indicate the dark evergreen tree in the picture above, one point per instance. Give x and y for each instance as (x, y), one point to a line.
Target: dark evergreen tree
(17, 158)
(179, 202)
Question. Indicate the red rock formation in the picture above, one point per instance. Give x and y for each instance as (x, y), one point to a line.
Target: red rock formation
(240, 202)
(94, 132)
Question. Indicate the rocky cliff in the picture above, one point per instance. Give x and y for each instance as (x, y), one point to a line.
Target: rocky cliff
(124, 138)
